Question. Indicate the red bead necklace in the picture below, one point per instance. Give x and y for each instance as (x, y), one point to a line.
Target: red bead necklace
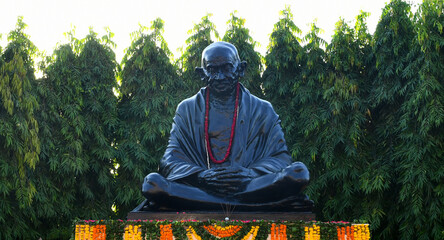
(233, 125)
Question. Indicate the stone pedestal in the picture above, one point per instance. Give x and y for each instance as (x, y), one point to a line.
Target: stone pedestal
(205, 216)
(140, 213)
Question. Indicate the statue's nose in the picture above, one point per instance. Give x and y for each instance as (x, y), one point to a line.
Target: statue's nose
(219, 75)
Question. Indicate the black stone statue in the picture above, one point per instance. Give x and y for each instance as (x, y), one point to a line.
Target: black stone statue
(226, 148)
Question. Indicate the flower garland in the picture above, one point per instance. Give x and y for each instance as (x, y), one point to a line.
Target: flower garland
(313, 232)
(213, 230)
(83, 232)
(166, 232)
(278, 232)
(86, 232)
(341, 233)
(133, 232)
(361, 232)
(252, 233)
(350, 230)
(99, 232)
(356, 232)
(221, 232)
(233, 125)
(191, 234)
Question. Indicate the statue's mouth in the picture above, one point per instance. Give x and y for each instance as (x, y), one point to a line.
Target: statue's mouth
(222, 85)
(222, 82)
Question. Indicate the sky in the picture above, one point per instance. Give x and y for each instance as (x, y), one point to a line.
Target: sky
(48, 20)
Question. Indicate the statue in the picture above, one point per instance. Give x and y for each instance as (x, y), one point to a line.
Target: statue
(226, 148)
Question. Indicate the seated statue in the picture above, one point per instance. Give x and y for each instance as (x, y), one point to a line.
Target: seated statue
(226, 148)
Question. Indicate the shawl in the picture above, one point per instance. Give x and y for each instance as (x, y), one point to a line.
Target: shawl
(258, 142)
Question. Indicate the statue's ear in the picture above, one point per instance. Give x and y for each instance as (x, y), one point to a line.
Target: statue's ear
(241, 68)
(201, 73)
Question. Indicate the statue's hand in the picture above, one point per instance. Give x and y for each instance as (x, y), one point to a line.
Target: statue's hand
(210, 179)
(226, 180)
(238, 174)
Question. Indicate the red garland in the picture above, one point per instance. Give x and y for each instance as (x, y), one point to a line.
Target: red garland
(233, 125)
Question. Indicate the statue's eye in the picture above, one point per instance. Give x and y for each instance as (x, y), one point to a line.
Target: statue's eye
(211, 69)
(228, 68)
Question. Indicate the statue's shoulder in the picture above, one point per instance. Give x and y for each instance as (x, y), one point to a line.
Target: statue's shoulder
(191, 102)
(257, 102)
(264, 103)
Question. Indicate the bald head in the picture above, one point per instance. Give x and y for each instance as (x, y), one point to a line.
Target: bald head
(218, 52)
(221, 67)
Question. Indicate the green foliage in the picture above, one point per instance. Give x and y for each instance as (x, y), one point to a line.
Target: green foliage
(78, 118)
(150, 92)
(191, 58)
(312, 111)
(19, 141)
(97, 66)
(341, 138)
(391, 45)
(421, 150)
(61, 126)
(365, 113)
(391, 41)
(240, 37)
(283, 62)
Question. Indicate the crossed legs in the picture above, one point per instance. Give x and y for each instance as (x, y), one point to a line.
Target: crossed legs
(275, 191)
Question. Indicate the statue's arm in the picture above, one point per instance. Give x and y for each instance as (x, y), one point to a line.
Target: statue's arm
(177, 162)
(273, 155)
(182, 158)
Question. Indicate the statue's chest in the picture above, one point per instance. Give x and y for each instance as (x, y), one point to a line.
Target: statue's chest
(219, 131)
(220, 124)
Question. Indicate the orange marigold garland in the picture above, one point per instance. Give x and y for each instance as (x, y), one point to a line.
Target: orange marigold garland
(341, 233)
(355, 232)
(99, 232)
(278, 232)
(195, 230)
(166, 232)
(221, 232)
(86, 232)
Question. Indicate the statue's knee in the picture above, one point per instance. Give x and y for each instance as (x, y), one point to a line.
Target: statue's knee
(154, 183)
(298, 171)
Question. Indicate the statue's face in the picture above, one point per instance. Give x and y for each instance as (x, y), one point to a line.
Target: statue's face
(220, 66)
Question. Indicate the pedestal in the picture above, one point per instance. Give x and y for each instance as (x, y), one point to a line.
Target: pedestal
(205, 216)
(139, 213)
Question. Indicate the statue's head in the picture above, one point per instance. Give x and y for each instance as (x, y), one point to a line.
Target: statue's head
(221, 67)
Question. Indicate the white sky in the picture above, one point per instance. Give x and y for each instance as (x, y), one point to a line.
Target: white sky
(48, 19)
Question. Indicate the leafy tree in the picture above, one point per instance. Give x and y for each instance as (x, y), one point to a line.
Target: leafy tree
(240, 37)
(149, 96)
(61, 157)
(191, 58)
(335, 188)
(312, 110)
(78, 116)
(391, 46)
(421, 151)
(308, 95)
(283, 63)
(365, 115)
(19, 141)
(97, 66)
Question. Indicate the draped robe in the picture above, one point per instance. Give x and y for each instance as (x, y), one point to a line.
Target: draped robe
(258, 142)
